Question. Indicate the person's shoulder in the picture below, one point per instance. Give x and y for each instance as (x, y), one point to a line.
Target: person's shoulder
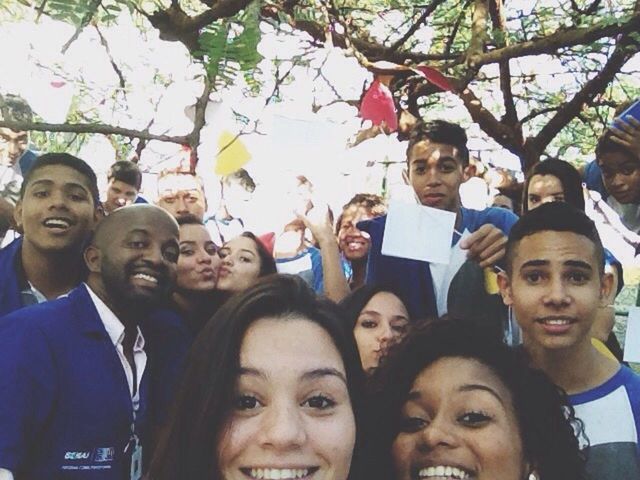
(499, 217)
(46, 315)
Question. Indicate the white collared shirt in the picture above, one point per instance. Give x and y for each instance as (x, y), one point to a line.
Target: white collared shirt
(115, 330)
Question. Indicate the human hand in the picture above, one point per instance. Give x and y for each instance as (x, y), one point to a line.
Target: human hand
(318, 221)
(486, 245)
(626, 131)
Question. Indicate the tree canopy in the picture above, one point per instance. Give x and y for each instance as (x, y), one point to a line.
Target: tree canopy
(538, 76)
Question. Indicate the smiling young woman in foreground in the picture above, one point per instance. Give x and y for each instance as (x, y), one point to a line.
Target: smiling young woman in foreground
(272, 390)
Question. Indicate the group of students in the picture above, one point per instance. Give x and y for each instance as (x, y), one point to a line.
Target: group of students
(147, 341)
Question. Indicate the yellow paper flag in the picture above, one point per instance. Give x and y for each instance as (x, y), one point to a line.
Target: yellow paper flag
(232, 154)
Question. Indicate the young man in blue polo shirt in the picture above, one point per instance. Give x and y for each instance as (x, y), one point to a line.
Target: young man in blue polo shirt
(437, 164)
(56, 213)
(555, 283)
(86, 379)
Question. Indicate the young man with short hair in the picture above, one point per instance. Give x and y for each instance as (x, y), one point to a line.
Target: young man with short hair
(620, 166)
(15, 157)
(124, 180)
(353, 243)
(555, 284)
(57, 212)
(437, 164)
(85, 380)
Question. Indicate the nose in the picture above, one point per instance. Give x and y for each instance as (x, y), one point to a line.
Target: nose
(57, 199)
(438, 433)
(557, 294)
(548, 199)
(13, 149)
(282, 426)
(617, 180)
(385, 334)
(433, 177)
(181, 205)
(204, 257)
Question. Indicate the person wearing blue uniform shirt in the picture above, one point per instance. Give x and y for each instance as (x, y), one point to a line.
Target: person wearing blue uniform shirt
(57, 212)
(86, 379)
(15, 157)
(437, 164)
(555, 282)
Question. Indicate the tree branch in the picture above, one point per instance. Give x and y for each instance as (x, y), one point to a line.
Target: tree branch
(508, 137)
(478, 32)
(91, 11)
(429, 9)
(499, 24)
(569, 110)
(92, 128)
(560, 39)
(114, 65)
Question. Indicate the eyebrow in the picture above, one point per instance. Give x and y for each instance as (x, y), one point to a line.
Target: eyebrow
(378, 314)
(324, 372)
(247, 251)
(467, 387)
(470, 387)
(192, 242)
(569, 263)
(51, 182)
(309, 375)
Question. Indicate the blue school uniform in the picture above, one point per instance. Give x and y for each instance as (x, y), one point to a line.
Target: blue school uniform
(65, 406)
(10, 298)
(413, 278)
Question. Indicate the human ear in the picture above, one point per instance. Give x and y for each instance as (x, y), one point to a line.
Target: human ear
(17, 216)
(505, 288)
(93, 259)
(468, 172)
(607, 289)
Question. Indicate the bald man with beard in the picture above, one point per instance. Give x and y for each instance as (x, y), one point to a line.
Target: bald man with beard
(85, 380)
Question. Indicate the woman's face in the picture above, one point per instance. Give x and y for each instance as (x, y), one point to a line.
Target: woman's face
(544, 189)
(383, 321)
(292, 415)
(240, 265)
(198, 262)
(459, 423)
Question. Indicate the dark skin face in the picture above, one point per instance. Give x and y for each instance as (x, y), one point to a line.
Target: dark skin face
(133, 258)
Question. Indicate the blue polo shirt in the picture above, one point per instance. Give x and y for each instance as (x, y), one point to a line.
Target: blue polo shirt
(65, 405)
(413, 277)
(10, 298)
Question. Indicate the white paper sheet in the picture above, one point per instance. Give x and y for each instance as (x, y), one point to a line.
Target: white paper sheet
(418, 233)
(632, 338)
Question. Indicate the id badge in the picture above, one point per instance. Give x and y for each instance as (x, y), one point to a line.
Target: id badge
(136, 462)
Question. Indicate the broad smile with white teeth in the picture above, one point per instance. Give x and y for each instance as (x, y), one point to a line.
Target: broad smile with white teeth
(146, 277)
(278, 473)
(57, 223)
(443, 472)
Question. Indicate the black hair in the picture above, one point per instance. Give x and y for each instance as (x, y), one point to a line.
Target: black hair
(606, 145)
(554, 217)
(126, 172)
(189, 219)
(441, 131)
(353, 303)
(565, 172)
(267, 262)
(206, 395)
(546, 420)
(64, 159)
(242, 178)
(369, 201)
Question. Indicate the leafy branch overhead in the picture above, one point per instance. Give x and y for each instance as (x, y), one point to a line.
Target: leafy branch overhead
(484, 48)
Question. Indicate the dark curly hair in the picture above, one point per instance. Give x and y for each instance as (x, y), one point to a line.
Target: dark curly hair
(546, 420)
(206, 395)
